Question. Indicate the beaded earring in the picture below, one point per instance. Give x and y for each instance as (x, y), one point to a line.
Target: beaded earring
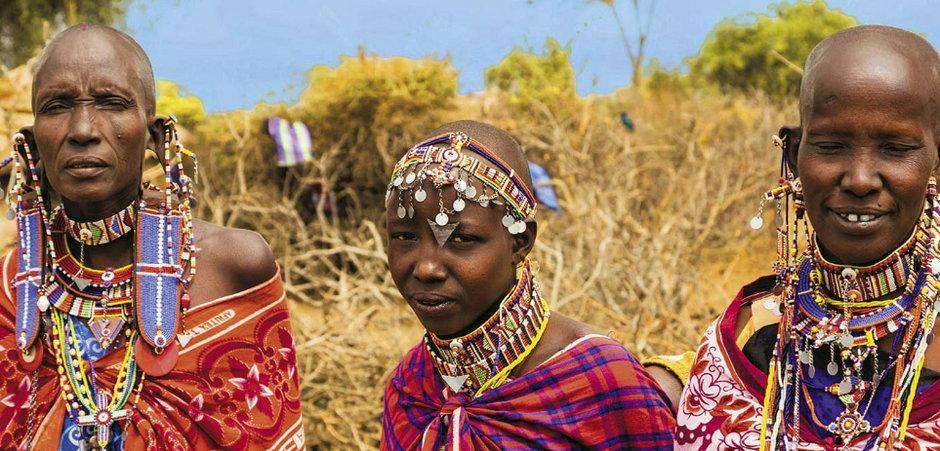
(32, 224)
(161, 283)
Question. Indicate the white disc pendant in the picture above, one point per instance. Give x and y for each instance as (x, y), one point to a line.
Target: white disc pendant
(401, 212)
(471, 191)
(398, 180)
(43, 303)
(508, 221)
(410, 178)
(832, 368)
(441, 219)
(460, 186)
(420, 195)
(847, 341)
(757, 222)
(459, 204)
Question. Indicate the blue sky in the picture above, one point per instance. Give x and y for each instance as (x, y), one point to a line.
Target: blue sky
(235, 53)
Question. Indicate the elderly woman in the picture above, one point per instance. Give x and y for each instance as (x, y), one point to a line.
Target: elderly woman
(111, 339)
(835, 352)
(496, 369)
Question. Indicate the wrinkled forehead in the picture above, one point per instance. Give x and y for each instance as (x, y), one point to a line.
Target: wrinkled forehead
(96, 57)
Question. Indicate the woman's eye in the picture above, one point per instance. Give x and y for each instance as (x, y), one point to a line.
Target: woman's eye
(113, 102)
(403, 236)
(829, 146)
(52, 107)
(462, 238)
(899, 148)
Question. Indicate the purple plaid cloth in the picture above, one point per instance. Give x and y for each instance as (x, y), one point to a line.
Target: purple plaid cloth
(593, 395)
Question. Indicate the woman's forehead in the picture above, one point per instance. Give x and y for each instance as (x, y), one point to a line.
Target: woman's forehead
(96, 59)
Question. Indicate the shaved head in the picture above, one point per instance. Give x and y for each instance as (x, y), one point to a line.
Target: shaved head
(878, 53)
(497, 140)
(88, 35)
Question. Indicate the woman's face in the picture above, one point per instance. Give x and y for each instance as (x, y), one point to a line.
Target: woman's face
(453, 287)
(867, 150)
(91, 127)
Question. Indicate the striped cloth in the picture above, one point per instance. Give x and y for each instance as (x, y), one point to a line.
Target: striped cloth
(544, 192)
(592, 395)
(293, 141)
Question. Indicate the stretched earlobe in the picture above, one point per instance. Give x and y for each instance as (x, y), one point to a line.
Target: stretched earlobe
(791, 136)
(157, 129)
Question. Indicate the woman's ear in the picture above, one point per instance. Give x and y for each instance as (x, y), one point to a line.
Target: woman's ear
(791, 136)
(524, 242)
(158, 128)
(27, 133)
(30, 139)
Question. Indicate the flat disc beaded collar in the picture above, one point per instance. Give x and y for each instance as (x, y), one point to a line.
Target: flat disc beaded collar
(483, 359)
(102, 231)
(429, 162)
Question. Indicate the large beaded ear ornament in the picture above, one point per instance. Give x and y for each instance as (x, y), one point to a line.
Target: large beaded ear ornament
(482, 180)
(32, 224)
(166, 261)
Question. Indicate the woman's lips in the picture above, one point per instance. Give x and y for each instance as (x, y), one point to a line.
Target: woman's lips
(85, 167)
(431, 304)
(858, 222)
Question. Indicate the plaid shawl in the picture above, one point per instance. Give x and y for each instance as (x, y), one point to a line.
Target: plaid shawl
(594, 394)
(235, 385)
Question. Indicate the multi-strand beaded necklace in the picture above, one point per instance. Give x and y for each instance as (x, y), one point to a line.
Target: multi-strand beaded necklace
(145, 300)
(846, 311)
(483, 359)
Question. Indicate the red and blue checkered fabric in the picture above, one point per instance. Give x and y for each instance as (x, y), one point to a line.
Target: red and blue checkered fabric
(594, 395)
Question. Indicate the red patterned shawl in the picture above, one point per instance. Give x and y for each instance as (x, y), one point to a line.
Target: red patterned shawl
(592, 395)
(235, 385)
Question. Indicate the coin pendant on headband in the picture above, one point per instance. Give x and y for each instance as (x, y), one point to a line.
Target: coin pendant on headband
(459, 204)
(812, 371)
(410, 178)
(441, 219)
(411, 211)
(508, 221)
(832, 368)
(460, 186)
(398, 181)
(420, 195)
(401, 211)
(485, 203)
(471, 191)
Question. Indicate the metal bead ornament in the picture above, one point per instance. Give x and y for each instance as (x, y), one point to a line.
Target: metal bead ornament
(477, 176)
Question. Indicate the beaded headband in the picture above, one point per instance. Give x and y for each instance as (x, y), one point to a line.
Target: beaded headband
(451, 166)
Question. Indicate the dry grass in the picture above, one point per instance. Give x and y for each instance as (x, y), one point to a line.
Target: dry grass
(651, 243)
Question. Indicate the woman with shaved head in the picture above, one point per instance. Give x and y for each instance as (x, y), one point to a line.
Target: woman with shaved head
(837, 350)
(111, 339)
(496, 369)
